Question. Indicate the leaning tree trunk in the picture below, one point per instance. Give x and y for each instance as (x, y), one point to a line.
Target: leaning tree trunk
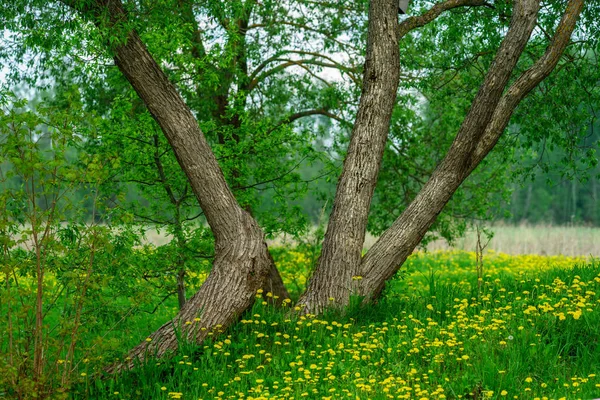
(242, 261)
(418, 217)
(471, 146)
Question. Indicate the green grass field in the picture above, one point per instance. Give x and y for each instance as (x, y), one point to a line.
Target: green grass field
(530, 329)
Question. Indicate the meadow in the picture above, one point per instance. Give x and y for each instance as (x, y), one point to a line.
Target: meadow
(546, 239)
(522, 327)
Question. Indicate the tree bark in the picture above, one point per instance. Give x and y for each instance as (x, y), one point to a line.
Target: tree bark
(242, 261)
(342, 246)
(474, 141)
(274, 284)
(332, 283)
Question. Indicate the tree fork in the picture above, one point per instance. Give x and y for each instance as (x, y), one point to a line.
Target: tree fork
(396, 244)
(342, 246)
(332, 283)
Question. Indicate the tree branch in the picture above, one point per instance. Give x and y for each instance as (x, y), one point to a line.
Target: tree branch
(161, 172)
(319, 111)
(397, 242)
(421, 20)
(277, 57)
(290, 63)
(528, 81)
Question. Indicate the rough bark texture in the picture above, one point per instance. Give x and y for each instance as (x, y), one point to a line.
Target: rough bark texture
(485, 123)
(274, 284)
(331, 283)
(229, 290)
(242, 262)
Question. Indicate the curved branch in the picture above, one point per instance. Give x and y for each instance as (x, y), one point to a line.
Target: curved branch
(318, 111)
(281, 176)
(277, 57)
(290, 63)
(421, 20)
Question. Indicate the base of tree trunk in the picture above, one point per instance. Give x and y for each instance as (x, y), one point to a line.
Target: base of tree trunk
(240, 269)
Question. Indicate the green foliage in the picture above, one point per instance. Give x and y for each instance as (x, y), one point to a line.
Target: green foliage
(85, 172)
(65, 279)
(559, 170)
(247, 69)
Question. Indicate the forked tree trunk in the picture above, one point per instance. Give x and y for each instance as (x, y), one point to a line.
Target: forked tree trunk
(332, 283)
(341, 255)
(242, 263)
(398, 242)
(488, 117)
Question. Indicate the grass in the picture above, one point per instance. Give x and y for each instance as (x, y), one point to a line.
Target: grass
(530, 330)
(509, 239)
(533, 239)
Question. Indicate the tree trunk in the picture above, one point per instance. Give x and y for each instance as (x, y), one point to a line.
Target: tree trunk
(333, 281)
(472, 143)
(181, 272)
(242, 261)
(488, 117)
(239, 271)
(341, 254)
(274, 284)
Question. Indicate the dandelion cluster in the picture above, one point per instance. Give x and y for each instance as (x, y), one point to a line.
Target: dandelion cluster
(528, 329)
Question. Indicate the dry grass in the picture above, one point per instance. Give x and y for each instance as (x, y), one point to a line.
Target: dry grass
(540, 239)
(521, 239)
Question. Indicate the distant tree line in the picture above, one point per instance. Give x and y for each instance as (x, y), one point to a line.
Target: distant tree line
(551, 196)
